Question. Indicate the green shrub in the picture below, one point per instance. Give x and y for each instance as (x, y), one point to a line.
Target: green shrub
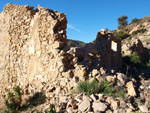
(89, 87)
(142, 30)
(120, 93)
(122, 22)
(108, 89)
(132, 60)
(52, 109)
(105, 87)
(38, 98)
(122, 35)
(135, 104)
(135, 20)
(139, 31)
(13, 100)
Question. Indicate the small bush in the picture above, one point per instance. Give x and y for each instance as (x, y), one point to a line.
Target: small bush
(122, 35)
(135, 104)
(120, 93)
(38, 98)
(142, 30)
(132, 60)
(135, 20)
(13, 100)
(89, 87)
(139, 31)
(105, 87)
(108, 89)
(52, 109)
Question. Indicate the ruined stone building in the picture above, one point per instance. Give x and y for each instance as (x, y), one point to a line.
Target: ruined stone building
(35, 56)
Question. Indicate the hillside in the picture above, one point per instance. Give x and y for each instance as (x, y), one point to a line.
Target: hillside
(75, 43)
(136, 43)
(138, 30)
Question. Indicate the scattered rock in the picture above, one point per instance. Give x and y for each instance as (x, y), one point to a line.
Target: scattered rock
(94, 97)
(37, 59)
(95, 72)
(123, 104)
(102, 97)
(131, 89)
(120, 111)
(144, 108)
(85, 104)
(111, 79)
(113, 102)
(122, 78)
(99, 107)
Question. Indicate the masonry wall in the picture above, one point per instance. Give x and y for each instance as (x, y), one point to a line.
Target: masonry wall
(30, 45)
(34, 54)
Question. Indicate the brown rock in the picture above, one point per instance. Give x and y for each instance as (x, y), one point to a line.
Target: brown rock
(144, 108)
(99, 107)
(80, 71)
(85, 104)
(131, 89)
(95, 72)
(93, 97)
(122, 78)
(120, 111)
(113, 102)
(102, 70)
(102, 97)
(123, 104)
(111, 79)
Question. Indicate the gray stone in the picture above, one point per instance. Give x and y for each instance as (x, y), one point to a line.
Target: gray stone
(85, 104)
(99, 106)
(94, 98)
(122, 78)
(119, 111)
(131, 89)
(87, 98)
(144, 108)
(111, 79)
(123, 104)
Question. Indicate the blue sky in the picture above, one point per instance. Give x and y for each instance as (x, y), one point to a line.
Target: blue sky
(87, 17)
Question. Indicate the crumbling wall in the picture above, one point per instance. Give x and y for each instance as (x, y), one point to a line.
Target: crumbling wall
(104, 52)
(30, 46)
(34, 54)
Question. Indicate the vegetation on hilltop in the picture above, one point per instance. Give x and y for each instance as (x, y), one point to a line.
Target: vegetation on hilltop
(75, 43)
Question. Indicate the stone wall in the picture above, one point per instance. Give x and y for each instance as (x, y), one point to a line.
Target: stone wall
(34, 54)
(30, 45)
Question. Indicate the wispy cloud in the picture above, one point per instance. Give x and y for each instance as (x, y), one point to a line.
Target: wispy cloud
(73, 28)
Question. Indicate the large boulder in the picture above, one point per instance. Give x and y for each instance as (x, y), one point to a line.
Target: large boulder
(135, 45)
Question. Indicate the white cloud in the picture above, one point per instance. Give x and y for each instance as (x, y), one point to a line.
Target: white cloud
(72, 27)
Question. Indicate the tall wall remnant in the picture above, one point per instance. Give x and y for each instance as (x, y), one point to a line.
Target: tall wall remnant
(34, 54)
(30, 43)
(104, 52)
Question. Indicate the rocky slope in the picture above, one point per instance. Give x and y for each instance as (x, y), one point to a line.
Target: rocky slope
(142, 24)
(36, 56)
(37, 59)
(75, 43)
(138, 31)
